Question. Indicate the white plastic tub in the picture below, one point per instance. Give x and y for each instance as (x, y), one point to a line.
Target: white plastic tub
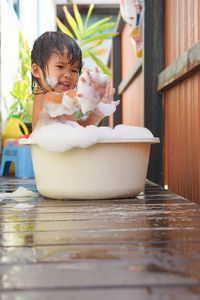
(105, 170)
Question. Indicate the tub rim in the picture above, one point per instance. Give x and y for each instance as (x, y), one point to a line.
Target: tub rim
(152, 140)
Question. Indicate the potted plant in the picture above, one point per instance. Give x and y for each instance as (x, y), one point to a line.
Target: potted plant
(23, 99)
(89, 37)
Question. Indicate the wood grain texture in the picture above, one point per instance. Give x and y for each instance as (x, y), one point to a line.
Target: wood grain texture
(145, 247)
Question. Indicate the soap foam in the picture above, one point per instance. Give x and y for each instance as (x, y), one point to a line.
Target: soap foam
(107, 109)
(68, 106)
(57, 136)
(52, 81)
(21, 192)
(22, 206)
(90, 96)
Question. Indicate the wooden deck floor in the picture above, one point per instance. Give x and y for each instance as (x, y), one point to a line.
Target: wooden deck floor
(142, 248)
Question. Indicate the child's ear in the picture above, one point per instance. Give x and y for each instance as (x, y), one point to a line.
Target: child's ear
(36, 71)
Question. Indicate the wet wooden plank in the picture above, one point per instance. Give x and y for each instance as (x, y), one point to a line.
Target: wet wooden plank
(143, 247)
(190, 292)
(114, 223)
(112, 236)
(89, 273)
(37, 215)
(160, 253)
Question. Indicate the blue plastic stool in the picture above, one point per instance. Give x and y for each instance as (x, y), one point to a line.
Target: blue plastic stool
(21, 156)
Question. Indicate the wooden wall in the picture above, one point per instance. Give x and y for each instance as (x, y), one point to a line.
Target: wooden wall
(181, 95)
(132, 97)
(177, 90)
(132, 94)
(140, 103)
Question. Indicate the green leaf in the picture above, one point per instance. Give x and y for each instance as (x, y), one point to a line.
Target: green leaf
(99, 51)
(85, 53)
(101, 65)
(95, 51)
(20, 90)
(88, 15)
(91, 46)
(97, 37)
(63, 28)
(71, 22)
(97, 43)
(21, 87)
(105, 26)
(14, 108)
(78, 17)
(14, 105)
(99, 23)
(78, 114)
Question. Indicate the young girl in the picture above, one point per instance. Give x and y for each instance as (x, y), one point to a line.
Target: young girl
(56, 66)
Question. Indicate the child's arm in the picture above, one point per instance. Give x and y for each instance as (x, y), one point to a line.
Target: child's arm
(71, 103)
(105, 108)
(54, 97)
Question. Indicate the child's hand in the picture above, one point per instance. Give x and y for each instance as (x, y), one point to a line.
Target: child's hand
(99, 86)
(103, 109)
(92, 88)
(107, 106)
(108, 97)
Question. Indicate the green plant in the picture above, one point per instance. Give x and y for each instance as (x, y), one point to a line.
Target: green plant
(21, 89)
(88, 37)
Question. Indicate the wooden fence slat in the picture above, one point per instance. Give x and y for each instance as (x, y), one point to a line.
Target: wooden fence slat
(132, 74)
(186, 65)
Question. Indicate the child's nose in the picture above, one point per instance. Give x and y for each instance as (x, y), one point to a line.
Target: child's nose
(68, 74)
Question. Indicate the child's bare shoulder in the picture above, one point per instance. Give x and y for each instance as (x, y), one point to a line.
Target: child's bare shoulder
(51, 96)
(58, 97)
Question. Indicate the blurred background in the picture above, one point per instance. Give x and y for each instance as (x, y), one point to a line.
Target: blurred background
(34, 17)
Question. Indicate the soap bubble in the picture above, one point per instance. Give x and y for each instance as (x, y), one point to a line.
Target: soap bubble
(59, 134)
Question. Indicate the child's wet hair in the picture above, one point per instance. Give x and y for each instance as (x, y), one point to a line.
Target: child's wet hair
(53, 42)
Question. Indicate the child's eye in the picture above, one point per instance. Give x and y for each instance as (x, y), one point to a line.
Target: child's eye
(59, 66)
(76, 71)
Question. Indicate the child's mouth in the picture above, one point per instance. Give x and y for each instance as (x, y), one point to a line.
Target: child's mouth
(64, 85)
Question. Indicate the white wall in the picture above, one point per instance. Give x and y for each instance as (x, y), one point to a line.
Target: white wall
(47, 15)
(9, 54)
(36, 17)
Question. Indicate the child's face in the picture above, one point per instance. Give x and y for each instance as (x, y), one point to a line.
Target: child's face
(60, 75)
